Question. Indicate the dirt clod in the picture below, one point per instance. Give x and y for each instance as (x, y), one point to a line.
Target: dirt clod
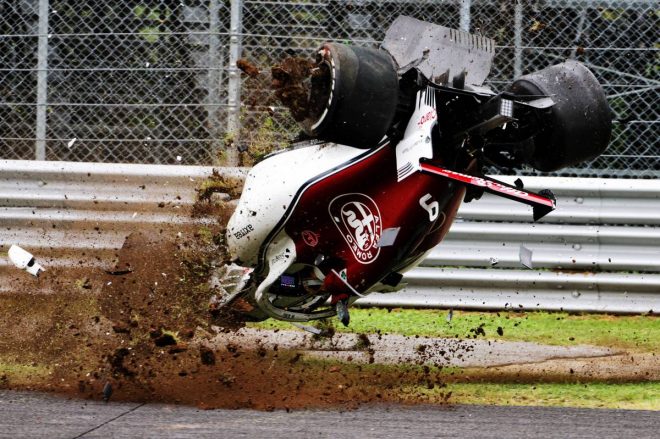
(164, 340)
(247, 67)
(207, 356)
(291, 85)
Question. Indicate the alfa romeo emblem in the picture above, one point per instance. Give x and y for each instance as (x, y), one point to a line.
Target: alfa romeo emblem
(358, 219)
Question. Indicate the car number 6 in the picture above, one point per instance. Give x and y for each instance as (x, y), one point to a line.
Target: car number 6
(433, 208)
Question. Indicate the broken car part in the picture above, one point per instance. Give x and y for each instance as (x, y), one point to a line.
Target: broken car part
(24, 260)
(403, 133)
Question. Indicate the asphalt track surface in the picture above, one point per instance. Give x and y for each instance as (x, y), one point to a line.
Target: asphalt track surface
(37, 415)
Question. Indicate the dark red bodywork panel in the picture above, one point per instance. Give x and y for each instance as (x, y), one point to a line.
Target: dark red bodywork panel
(352, 216)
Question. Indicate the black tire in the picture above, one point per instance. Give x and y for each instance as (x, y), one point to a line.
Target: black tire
(578, 127)
(356, 97)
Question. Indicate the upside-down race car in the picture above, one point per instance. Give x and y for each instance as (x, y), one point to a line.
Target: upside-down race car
(402, 133)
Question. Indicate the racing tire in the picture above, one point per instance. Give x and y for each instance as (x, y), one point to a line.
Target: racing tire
(356, 96)
(578, 126)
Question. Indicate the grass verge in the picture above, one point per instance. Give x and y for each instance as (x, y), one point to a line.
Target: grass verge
(633, 333)
(21, 374)
(488, 386)
(485, 386)
(632, 396)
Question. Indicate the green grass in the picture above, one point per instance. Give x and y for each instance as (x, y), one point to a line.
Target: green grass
(638, 396)
(485, 386)
(635, 333)
(15, 373)
(472, 386)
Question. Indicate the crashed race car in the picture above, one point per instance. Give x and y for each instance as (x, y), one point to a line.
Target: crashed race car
(401, 134)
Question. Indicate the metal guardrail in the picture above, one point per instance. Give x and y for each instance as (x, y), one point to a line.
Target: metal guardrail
(80, 213)
(599, 251)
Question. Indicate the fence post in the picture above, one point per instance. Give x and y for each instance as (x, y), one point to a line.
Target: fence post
(517, 40)
(465, 15)
(42, 82)
(214, 78)
(234, 87)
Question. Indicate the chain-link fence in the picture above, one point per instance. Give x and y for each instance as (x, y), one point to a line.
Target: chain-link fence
(155, 81)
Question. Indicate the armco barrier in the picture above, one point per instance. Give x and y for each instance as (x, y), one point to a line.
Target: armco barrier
(599, 251)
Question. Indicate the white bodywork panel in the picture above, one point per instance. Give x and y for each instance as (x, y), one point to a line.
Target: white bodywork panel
(269, 190)
(416, 143)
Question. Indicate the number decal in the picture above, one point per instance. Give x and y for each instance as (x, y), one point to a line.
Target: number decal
(433, 208)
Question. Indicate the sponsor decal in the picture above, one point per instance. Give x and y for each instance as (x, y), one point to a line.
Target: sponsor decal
(281, 257)
(358, 219)
(244, 231)
(278, 258)
(310, 238)
(431, 115)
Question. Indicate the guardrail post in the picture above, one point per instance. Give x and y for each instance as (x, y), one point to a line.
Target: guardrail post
(42, 82)
(234, 87)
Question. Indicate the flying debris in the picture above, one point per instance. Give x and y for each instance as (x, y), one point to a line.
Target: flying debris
(310, 329)
(24, 260)
(525, 256)
(107, 391)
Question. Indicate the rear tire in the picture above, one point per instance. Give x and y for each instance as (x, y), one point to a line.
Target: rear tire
(578, 127)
